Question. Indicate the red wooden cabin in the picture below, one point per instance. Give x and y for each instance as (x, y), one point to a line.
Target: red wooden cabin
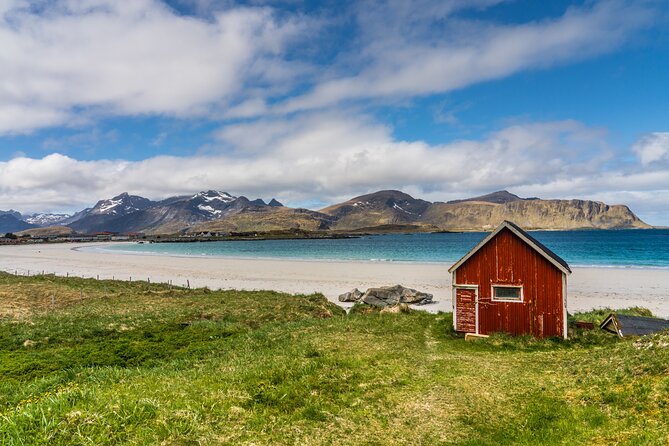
(510, 283)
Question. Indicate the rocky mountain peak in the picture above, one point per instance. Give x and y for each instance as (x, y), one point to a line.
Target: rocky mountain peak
(499, 197)
(121, 204)
(10, 223)
(212, 203)
(383, 207)
(214, 195)
(13, 213)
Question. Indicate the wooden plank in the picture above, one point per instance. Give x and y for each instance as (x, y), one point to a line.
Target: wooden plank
(474, 336)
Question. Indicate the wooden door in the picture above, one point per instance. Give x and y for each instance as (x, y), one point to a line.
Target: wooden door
(465, 310)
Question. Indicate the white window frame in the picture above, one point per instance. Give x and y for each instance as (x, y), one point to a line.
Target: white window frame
(494, 299)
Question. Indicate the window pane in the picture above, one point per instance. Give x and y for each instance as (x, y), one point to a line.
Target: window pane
(507, 293)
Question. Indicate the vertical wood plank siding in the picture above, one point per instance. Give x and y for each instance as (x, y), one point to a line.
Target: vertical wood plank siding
(466, 309)
(508, 260)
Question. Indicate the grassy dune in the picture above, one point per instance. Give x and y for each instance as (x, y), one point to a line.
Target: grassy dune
(120, 363)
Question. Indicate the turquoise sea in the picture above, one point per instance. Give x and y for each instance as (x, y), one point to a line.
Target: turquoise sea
(621, 248)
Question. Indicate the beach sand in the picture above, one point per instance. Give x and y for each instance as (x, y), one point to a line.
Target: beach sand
(588, 288)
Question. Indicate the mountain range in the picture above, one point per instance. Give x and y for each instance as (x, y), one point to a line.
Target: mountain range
(216, 211)
(480, 213)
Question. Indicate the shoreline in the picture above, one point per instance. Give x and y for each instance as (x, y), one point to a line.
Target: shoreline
(97, 248)
(588, 287)
(220, 257)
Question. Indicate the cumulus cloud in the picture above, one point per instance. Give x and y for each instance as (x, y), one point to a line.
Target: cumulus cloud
(331, 157)
(128, 58)
(653, 148)
(341, 155)
(65, 59)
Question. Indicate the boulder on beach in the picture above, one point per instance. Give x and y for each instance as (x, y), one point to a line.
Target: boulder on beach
(352, 296)
(389, 296)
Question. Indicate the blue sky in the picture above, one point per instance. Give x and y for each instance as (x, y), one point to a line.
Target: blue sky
(315, 102)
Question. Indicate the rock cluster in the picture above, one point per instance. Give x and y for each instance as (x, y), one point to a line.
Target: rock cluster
(387, 296)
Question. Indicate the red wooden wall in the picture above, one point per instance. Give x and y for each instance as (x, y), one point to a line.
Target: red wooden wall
(508, 260)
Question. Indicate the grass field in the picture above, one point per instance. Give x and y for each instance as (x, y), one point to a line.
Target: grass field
(119, 363)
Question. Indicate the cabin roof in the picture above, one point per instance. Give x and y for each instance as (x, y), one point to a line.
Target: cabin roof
(625, 325)
(539, 247)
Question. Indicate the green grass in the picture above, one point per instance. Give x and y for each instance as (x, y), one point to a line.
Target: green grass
(120, 363)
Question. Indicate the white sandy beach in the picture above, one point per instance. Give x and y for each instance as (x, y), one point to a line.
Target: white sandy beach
(588, 287)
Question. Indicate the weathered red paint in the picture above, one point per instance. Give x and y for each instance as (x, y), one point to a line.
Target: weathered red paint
(465, 309)
(507, 260)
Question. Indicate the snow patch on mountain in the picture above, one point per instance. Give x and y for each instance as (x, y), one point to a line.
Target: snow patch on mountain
(209, 209)
(214, 195)
(108, 206)
(399, 208)
(212, 203)
(46, 219)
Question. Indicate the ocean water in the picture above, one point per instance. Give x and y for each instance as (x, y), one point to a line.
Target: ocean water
(624, 248)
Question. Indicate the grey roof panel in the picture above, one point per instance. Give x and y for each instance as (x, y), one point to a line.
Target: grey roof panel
(540, 245)
(527, 238)
(624, 325)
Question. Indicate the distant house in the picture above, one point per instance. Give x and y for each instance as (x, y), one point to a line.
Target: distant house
(104, 235)
(510, 283)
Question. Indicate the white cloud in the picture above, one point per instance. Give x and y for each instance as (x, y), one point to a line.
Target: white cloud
(402, 59)
(333, 156)
(67, 60)
(127, 58)
(653, 148)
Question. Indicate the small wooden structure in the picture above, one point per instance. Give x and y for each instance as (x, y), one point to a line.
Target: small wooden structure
(624, 325)
(510, 283)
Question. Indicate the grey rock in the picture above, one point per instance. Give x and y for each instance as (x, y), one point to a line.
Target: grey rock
(394, 295)
(352, 296)
(411, 296)
(383, 296)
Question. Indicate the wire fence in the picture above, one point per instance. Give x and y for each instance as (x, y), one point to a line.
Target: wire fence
(114, 278)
